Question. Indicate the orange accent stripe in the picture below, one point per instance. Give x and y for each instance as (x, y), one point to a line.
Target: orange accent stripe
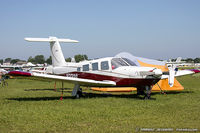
(163, 68)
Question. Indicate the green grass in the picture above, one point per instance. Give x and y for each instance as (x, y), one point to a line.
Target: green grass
(196, 75)
(33, 106)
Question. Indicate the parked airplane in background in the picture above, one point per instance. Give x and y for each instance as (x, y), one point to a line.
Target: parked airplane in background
(109, 71)
(10, 68)
(3, 72)
(42, 70)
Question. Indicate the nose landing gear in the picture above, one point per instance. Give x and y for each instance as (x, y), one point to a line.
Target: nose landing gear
(145, 90)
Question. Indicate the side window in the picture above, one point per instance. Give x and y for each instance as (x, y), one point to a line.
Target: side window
(104, 65)
(95, 66)
(78, 69)
(86, 67)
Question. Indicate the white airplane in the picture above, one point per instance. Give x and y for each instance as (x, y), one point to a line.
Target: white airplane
(9, 68)
(42, 70)
(3, 72)
(104, 72)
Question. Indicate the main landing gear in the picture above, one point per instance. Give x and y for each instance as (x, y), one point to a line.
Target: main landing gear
(145, 90)
(77, 91)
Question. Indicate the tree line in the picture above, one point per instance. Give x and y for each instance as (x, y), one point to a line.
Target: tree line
(40, 59)
(189, 60)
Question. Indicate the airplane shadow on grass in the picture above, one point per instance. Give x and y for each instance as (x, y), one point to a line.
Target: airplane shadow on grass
(87, 95)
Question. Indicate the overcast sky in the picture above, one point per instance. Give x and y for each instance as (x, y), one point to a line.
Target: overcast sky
(156, 29)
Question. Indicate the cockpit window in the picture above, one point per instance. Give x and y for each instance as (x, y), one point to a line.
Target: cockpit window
(131, 63)
(117, 62)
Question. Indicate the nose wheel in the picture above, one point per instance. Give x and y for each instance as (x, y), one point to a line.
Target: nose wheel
(145, 90)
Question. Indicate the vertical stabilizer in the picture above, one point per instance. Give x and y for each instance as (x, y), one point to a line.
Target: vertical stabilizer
(56, 51)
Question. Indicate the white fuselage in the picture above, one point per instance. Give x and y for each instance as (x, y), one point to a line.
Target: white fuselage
(109, 68)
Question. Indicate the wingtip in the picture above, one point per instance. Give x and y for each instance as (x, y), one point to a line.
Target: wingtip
(195, 70)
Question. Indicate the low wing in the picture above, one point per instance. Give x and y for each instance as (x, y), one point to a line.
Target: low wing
(80, 81)
(181, 73)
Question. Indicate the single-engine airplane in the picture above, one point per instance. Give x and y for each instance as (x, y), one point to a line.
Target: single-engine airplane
(103, 72)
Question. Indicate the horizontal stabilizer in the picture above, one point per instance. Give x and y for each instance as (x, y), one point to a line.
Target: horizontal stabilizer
(56, 51)
(50, 39)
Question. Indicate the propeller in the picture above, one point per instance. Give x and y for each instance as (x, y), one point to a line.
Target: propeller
(172, 71)
(171, 76)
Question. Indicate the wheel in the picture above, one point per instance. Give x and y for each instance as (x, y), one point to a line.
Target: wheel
(147, 91)
(79, 94)
(146, 97)
(140, 92)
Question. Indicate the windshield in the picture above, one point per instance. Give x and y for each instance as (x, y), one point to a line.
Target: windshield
(131, 63)
(117, 62)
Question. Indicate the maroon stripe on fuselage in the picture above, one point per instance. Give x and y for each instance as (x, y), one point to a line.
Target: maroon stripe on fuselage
(121, 82)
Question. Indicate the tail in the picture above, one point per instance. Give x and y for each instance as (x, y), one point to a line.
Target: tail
(56, 51)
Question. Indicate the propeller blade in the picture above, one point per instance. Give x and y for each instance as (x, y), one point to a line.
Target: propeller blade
(171, 77)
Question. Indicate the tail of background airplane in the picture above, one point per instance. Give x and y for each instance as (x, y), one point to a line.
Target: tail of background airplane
(56, 51)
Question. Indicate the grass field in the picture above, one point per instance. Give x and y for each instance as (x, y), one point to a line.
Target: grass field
(33, 106)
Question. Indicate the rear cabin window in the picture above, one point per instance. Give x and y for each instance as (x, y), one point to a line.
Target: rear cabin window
(86, 67)
(104, 65)
(95, 66)
(78, 69)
